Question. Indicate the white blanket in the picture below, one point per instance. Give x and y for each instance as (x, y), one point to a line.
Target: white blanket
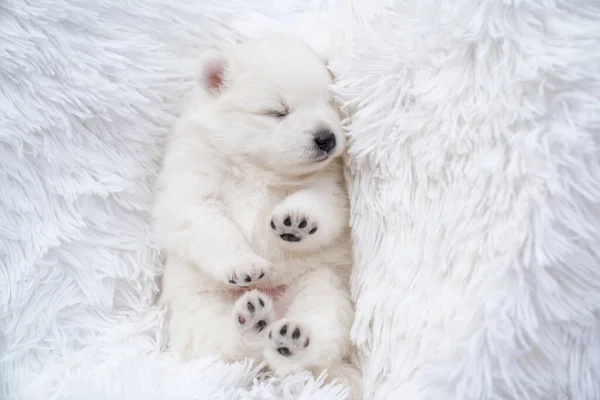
(474, 185)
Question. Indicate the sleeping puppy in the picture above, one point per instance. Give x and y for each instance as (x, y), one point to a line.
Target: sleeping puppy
(252, 213)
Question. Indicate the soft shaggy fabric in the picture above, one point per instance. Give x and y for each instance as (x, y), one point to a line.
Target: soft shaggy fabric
(474, 187)
(476, 199)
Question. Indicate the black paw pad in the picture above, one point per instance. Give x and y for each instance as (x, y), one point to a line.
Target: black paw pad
(260, 325)
(234, 280)
(293, 227)
(290, 237)
(251, 307)
(283, 330)
(284, 351)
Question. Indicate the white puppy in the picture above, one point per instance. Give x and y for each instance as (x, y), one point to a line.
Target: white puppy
(252, 212)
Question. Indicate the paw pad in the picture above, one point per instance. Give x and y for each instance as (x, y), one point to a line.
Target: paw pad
(261, 324)
(293, 227)
(288, 338)
(253, 312)
(247, 279)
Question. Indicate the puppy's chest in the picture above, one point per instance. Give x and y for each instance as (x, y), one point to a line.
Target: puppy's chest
(250, 208)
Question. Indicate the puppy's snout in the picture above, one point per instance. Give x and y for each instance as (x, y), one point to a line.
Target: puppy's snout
(325, 140)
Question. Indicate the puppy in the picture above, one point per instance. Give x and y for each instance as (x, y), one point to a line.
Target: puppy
(252, 212)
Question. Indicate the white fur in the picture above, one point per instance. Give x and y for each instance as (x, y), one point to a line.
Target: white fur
(234, 176)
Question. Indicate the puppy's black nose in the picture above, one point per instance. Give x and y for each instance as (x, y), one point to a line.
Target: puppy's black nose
(325, 140)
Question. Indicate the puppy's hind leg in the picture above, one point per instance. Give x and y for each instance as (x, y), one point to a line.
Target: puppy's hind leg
(315, 331)
(253, 312)
(347, 374)
(200, 324)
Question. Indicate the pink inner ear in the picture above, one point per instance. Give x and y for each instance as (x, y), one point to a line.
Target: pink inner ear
(213, 71)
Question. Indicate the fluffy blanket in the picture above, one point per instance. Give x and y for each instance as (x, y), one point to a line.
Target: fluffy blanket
(474, 169)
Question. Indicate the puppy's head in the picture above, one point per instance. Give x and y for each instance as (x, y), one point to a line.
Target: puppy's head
(268, 101)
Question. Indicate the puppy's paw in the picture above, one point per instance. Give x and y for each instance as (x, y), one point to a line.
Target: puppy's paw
(253, 312)
(293, 225)
(288, 339)
(247, 271)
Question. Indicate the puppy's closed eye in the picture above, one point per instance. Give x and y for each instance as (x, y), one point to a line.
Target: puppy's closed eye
(279, 112)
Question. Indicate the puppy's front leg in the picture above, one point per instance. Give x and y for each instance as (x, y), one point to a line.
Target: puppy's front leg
(310, 218)
(192, 224)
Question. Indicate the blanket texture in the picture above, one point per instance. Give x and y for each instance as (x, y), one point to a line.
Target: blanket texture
(474, 182)
(476, 199)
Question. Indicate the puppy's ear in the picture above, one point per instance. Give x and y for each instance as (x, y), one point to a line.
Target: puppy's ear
(212, 70)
